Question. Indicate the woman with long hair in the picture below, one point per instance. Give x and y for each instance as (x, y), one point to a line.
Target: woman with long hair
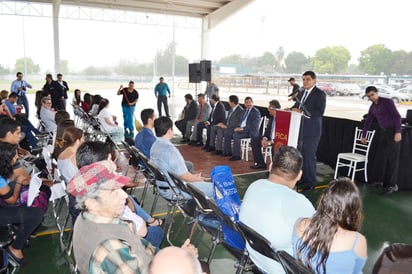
(77, 99)
(61, 127)
(95, 107)
(87, 102)
(108, 121)
(26, 218)
(329, 242)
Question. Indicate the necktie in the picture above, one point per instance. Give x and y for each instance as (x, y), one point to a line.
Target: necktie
(201, 112)
(244, 118)
(302, 101)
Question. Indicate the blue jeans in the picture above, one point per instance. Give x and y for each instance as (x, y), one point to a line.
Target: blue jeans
(22, 100)
(154, 235)
(128, 117)
(139, 210)
(206, 188)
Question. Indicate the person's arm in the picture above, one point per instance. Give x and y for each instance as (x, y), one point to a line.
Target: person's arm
(28, 85)
(134, 102)
(9, 195)
(20, 176)
(5, 109)
(120, 90)
(191, 178)
(155, 90)
(368, 121)
(109, 121)
(14, 87)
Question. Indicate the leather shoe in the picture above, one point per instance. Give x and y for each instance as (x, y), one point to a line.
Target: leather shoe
(217, 152)
(21, 261)
(205, 148)
(198, 144)
(226, 154)
(258, 166)
(210, 149)
(234, 158)
(390, 190)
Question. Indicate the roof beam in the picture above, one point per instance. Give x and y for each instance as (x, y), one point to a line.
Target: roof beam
(220, 15)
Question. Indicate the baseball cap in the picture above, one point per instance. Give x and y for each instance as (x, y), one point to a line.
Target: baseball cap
(100, 174)
(291, 79)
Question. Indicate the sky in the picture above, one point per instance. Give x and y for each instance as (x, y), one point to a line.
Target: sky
(264, 25)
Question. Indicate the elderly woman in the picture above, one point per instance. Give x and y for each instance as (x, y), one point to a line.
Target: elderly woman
(329, 242)
(108, 121)
(26, 218)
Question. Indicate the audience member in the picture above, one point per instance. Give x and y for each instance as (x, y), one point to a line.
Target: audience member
(217, 115)
(174, 161)
(26, 219)
(248, 127)
(145, 138)
(19, 86)
(10, 102)
(108, 121)
(268, 138)
(47, 115)
(4, 94)
(129, 101)
(188, 114)
(77, 99)
(232, 121)
(65, 87)
(95, 106)
(161, 91)
(271, 206)
(87, 102)
(329, 242)
(55, 91)
(201, 117)
(175, 260)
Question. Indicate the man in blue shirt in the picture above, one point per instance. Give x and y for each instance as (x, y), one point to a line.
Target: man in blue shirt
(13, 97)
(19, 86)
(145, 138)
(161, 91)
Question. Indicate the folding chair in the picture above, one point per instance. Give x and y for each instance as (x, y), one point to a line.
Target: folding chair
(6, 237)
(264, 247)
(358, 155)
(245, 142)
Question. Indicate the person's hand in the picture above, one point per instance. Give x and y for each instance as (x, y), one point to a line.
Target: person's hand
(190, 248)
(398, 137)
(363, 140)
(265, 143)
(207, 123)
(169, 95)
(20, 88)
(121, 87)
(199, 176)
(238, 129)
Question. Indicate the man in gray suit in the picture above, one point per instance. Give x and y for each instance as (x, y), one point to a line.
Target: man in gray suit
(231, 122)
(188, 114)
(203, 114)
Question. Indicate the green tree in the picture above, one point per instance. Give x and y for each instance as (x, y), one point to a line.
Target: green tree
(331, 60)
(64, 67)
(164, 62)
(399, 63)
(4, 70)
(234, 59)
(264, 63)
(30, 66)
(296, 62)
(96, 71)
(127, 67)
(280, 55)
(375, 59)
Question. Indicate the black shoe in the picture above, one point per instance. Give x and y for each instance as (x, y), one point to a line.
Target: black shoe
(217, 152)
(12, 257)
(234, 158)
(205, 148)
(199, 144)
(390, 190)
(192, 143)
(211, 149)
(227, 154)
(258, 166)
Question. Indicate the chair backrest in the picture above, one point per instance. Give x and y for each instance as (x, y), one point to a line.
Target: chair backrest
(160, 176)
(395, 258)
(222, 216)
(360, 148)
(199, 197)
(179, 183)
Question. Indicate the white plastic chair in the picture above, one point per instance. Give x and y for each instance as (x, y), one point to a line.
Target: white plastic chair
(245, 142)
(267, 152)
(358, 155)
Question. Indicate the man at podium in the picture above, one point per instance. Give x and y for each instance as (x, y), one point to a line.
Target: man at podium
(311, 103)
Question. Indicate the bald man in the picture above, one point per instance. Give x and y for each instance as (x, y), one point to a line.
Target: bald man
(175, 260)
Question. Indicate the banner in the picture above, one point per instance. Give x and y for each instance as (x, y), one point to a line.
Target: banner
(287, 128)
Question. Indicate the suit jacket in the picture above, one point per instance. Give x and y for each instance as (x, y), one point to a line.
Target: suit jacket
(252, 122)
(315, 104)
(191, 110)
(268, 129)
(218, 114)
(232, 120)
(205, 112)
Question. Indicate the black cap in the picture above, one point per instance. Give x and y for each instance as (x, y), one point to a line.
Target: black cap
(291, 79)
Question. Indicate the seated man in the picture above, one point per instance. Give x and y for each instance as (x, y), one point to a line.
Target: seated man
(268, 137)
(145, 138)
(201, 116)
(188, 114)
(47, 115)
(218, 115)
(248, 127)
(278, 205)
(168, 158)
(217, 131)
(102, 241)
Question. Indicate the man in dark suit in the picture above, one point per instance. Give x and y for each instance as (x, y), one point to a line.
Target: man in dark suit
(188, 114)
(55, 90)
(64, 86)
(232, 121)
(217, 115)
(311, 103)
(267, 139)
(248, 127)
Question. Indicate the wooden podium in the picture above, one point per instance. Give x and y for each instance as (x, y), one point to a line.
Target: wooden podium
(287, 128)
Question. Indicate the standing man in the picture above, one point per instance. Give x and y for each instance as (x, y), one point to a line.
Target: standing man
(130, 98)
(161, 91)
(65, 87)
(188, 114)
(248, 128)
(384, 111)
(295, 89)
(20, 86)
(211, 89)
(311, 104)
(55, 91)
(268, 137)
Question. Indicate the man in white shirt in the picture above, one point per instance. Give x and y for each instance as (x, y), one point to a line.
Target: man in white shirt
(47, 115)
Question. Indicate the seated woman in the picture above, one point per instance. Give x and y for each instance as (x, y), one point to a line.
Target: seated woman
(108, 121)
(329, 242)
(26, 218)
(87, 102)
(77, 99)
(95, 107)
